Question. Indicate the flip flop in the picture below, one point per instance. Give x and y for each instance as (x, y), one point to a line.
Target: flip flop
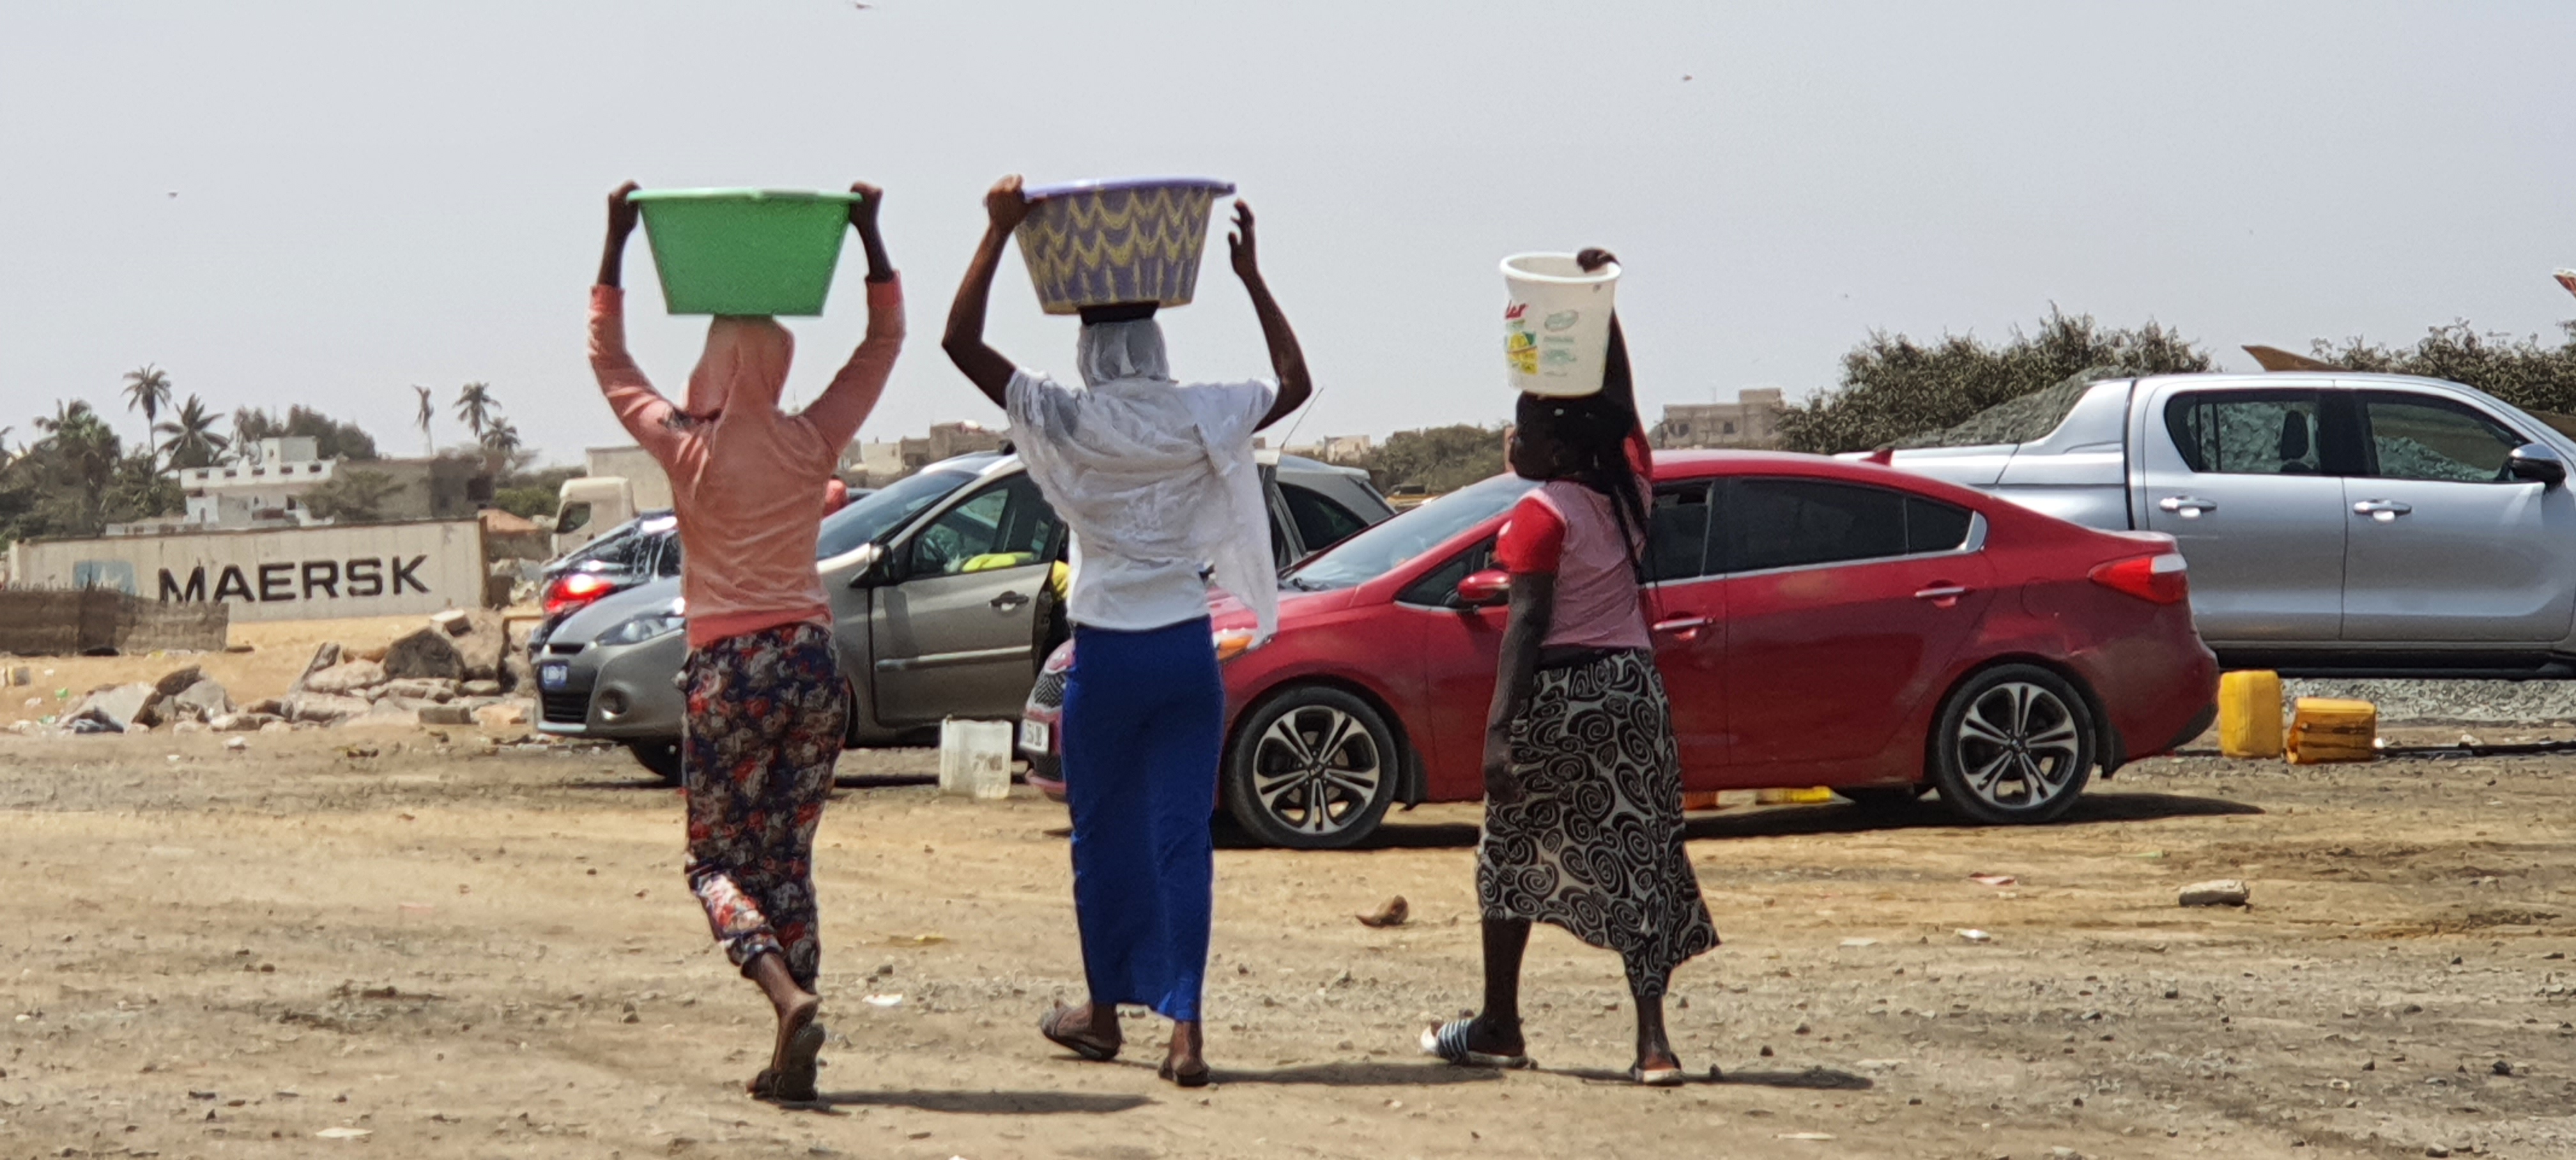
(791, 1078)
(1051, 1025)
(1656, 1076)
(1195, 1078)
(1449, 1041)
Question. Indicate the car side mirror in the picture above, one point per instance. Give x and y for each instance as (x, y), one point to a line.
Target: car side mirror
(2537, 463)
(874, 568)
(1484, 589)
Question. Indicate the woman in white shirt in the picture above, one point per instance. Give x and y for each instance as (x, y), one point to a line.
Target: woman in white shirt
(1157, 480)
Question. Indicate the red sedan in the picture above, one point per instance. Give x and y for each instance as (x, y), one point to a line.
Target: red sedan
(1818, 622)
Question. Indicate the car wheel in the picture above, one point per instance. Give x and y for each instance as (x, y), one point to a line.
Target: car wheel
(1312, 768)
(2014, 743)
(662, 757)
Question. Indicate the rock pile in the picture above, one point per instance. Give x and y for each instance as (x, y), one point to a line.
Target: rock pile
(455, 670)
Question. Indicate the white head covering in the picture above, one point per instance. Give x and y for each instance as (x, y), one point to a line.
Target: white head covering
(1113, 351)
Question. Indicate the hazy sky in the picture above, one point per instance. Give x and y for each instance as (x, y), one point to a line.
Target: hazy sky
(370, 195)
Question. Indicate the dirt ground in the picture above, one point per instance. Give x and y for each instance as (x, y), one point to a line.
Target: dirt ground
(476, 952)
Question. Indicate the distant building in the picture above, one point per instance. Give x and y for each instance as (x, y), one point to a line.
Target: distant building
(1751, 421)
(1334, 448)
(878, 462)
(264, 487)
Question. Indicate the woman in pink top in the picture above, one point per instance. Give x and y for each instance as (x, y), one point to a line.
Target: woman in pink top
(766, 700)
(1583, 791)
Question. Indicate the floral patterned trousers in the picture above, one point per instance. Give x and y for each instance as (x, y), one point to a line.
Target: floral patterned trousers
(764, 729)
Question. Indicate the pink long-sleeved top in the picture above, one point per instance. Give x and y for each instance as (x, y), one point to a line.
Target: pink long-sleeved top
(748, 482)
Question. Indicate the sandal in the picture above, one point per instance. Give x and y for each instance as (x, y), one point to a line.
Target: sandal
(1051, 1025)
(790, 1078)
(1449, 1041)
(1656, 1076)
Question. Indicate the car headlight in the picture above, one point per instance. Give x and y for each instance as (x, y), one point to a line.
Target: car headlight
(1232, 643)
(637, 629)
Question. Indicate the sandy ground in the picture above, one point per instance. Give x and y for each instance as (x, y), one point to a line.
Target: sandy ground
(470, 952)
(264, 659)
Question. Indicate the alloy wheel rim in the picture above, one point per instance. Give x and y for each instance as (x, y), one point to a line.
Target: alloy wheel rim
(1316, 769)
(2017, 746)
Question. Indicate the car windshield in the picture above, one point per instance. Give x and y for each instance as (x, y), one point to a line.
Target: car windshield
(1382, 549)
(880, 511)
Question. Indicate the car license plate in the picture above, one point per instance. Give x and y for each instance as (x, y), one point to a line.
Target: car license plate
(553, 677)
(1034, 736)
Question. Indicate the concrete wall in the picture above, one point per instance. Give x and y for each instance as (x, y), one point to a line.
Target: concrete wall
(65, 622)
(281, 574)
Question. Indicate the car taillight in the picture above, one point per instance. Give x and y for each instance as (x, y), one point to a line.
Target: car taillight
(575, 590)
(2158, 579)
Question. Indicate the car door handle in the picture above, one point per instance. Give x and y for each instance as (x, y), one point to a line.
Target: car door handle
(1009, 600)
(1942, 594)
(2382, 510)
(2187, 506)
(1683, 627)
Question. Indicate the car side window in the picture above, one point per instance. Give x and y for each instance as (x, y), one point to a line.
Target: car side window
(1438, 588)
(1320, 522)
(2246, 432)
(1933, 526)
(2419, 437)
(1677, 533)
(1793, 523)
(1007, 525)
(669, 564)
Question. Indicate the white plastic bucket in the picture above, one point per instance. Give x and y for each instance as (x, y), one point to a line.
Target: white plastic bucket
(1556, 323)
(975, 758)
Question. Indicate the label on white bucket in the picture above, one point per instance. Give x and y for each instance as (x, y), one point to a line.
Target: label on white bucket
(1556, 323)
(975, 758)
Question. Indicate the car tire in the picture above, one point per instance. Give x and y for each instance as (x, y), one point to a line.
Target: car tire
(662, 757)
(1311, 768)
(2014, 744)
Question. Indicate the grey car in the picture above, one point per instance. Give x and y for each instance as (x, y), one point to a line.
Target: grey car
(933, 584)
(2334, 521)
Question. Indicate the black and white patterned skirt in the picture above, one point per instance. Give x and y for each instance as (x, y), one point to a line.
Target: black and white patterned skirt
(1595, 843)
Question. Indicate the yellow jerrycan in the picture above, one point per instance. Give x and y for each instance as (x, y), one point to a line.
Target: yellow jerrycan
(2249, 714)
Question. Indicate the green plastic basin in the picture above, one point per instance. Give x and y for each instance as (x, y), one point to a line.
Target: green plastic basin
(744, 251)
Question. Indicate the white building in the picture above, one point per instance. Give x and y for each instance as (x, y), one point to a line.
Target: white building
(264, 487)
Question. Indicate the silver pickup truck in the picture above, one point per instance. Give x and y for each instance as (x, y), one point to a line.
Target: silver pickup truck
(2334, 522)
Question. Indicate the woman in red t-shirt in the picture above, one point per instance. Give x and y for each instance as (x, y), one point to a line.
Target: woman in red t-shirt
(1583, 810)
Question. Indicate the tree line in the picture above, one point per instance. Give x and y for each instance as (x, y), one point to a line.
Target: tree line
(79, 475)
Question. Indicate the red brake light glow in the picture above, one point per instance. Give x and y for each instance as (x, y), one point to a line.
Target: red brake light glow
(2158, 579)
(576, 589)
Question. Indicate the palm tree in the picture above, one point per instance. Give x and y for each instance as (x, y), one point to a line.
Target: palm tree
(428, 411)
(147, 390)
(500, 437)
(192, 440)
(476, 408)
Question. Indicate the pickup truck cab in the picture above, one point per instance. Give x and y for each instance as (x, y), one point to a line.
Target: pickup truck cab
(2334, 522)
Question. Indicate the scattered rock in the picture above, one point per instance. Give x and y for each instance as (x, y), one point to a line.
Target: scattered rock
(266, 707)
(2436, 1150)
(323, 708)
(2216, 892)
(505, 714)
(481, 688)
(1391, 914)
(2504, 1067)
(453, 621)
(325, 655)
(175, 680)
(419, 689)
(237, 744)
(199, 700)
(117, 707)
(384, 716)
(427, 652)
(344, 678)
(446, 715)
(240, 722)
(278, 726)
